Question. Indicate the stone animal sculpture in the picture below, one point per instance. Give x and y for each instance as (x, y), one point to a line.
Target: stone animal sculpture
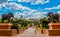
(7, 17)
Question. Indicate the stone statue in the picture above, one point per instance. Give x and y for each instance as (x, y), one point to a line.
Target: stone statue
(7, 17)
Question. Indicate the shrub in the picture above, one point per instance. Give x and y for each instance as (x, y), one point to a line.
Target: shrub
(0, 20)
(15, 26)
(24, 23)
(44, 23)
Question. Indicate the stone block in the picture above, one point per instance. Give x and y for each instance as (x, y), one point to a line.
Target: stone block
(5, 25)
(54, 25)
(7, 32)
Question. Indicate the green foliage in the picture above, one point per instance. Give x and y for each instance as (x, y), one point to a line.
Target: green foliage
(17, 25)
(0, 20)
(5, 21)
(24, 23)
(44, 23)
(56, 18)
(53, 17)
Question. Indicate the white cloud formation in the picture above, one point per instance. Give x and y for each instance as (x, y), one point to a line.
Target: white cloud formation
(38, 15)
(15, 6)
(40, 2)
(58, 12)
(3, 3)
(11, 0)
(27, 12)
(32, 1)
(58, 7)
(17, 14)
(0, 5)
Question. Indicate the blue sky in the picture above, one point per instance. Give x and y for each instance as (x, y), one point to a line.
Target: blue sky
(29, 8)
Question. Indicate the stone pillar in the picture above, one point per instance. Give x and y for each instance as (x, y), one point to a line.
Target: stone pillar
(54, 29)
(59, 17)
(5, 29)
(54, 26)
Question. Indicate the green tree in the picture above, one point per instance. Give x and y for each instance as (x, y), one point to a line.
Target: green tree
(44, 22)
(24, 22)
(55, 18)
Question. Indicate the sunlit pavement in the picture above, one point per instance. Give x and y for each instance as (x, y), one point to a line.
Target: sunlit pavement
(30, 32)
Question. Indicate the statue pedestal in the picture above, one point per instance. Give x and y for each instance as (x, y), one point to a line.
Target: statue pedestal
(54, 25)
(8, 32)
(5, 29)
(5, 25)
(54, 29)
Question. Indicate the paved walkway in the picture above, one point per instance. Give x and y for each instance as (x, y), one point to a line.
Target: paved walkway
(30, 32)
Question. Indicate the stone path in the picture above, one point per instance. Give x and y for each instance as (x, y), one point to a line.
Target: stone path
(30, 32)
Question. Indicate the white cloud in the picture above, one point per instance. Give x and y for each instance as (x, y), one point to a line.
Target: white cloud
(58, 7)
(12, 0)
(41, 1)
(3, 3)
(58, 12)
(35, 1)
(15, 6)
(38, 15)
(27, 12)
(17, 14)
(0, 5)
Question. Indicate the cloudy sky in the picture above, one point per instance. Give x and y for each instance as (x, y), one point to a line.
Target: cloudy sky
(29, 8)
